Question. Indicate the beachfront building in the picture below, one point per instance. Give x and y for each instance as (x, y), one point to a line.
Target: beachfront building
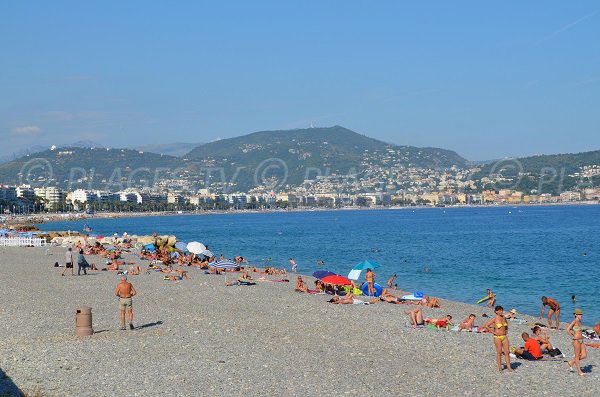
(127, 197)
(8, 193)
(174, 198)
(50, 194)
(571, 196)
(82, 196)
(26, 192)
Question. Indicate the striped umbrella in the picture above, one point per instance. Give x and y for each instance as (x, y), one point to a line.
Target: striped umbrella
(224, 264)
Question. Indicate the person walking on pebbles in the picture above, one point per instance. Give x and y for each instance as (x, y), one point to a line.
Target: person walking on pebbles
(125, 292)
(81, 264)
(574, 330)
(68, 261)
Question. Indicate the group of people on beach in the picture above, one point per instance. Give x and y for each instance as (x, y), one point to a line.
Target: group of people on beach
(163, 260)
(537, 344)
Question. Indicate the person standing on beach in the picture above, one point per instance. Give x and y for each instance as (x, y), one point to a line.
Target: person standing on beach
(491, 298)
(499, 329)
(370, 279)
(553, 309)
(81, 263)
(574, 330)
(390, 282)
(125, 292)
(68, 261)
(293, 264)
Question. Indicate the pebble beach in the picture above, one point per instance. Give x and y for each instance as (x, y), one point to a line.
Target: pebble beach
(198, 337)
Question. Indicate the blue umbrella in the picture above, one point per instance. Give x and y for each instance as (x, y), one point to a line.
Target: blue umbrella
(322, 273)
(366, 265)
(181, 246)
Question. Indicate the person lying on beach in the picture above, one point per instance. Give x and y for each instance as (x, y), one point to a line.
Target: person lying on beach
(430, 301)
(134, 270)
(531, 351)
(440, 323)
(301, 285)
(511, 315)
(416, 317)
(467, 323)
(387, 296)
(349, 299)
(245, 276)
(544, 340)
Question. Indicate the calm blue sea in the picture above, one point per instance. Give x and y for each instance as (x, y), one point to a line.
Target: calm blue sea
(520, 253)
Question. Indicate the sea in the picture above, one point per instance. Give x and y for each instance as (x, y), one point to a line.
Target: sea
(520, 253)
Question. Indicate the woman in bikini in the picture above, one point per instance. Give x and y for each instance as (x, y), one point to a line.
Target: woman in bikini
(544, 341)
(574, 331)
(370, 279)
(499, 329)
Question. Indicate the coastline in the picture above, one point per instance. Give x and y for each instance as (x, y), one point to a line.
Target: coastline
(76, 216)
(199, 337)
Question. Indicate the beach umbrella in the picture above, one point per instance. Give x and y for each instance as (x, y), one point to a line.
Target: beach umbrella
(224, 264)
(336, 279)
(322, 273)
(181, 246)
(195, 247)
(364, 265)
(207, 253)
(110, 248)
(150, 247)
(354, 274)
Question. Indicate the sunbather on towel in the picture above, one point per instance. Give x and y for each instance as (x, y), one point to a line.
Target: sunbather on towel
(416, 317)
(301, 285)
(467, 323)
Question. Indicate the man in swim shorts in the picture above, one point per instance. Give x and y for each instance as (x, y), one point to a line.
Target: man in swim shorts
(553, 309)
(125, 292)
(531, 351)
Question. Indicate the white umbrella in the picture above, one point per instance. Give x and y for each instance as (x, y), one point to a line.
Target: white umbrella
(195, 247)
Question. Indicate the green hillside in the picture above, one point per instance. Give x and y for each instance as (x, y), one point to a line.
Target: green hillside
(305, 153)
(543, 173)
(273, 159)
(110, 169)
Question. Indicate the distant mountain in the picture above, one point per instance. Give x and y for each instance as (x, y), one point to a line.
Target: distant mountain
(98, 168)
(38, 148)
(306, 153)
(172, 149)
(271, 159)
(21, 152)
(544, 173)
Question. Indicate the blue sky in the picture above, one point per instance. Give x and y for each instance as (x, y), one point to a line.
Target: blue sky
(487, 81)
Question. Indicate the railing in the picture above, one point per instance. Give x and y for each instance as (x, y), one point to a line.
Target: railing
(22, 242)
